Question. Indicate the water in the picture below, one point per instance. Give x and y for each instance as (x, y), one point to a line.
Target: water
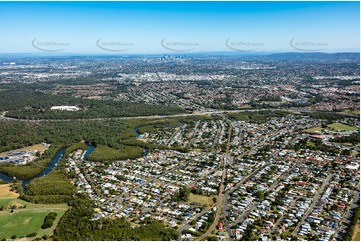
(88, 151)
(137, 134)
(54, 162)
(6, 178)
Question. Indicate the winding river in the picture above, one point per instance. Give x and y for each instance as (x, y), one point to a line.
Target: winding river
(54, 162)
(137, 134)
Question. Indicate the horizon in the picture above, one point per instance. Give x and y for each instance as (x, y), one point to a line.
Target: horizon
(214, 53)
(128, 28)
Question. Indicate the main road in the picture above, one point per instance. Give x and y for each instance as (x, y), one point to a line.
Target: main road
(4, 117)
(221, 197)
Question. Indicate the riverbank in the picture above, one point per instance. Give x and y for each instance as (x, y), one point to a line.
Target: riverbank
(31, 169)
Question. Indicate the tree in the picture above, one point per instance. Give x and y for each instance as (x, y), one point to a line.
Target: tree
(248, 233)
(184, 193)
(260, 195)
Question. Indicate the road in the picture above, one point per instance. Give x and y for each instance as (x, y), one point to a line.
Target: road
(2, 116)
(186, 225)
(280, 219)
(220, 200)
(254, 204)
(315, 199)
(341, 230)
(226, 222)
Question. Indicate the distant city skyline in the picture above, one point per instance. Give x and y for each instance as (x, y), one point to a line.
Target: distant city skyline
(178, 27)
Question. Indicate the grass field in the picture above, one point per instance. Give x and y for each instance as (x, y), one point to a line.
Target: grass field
(203, 200)
(315, 129)
(23, 221)
(353, 112)
(334, 126)
(356, 234)
(341, 127)
(38, 147)
(310, 144)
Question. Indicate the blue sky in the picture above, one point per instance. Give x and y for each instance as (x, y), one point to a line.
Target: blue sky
(140, 27)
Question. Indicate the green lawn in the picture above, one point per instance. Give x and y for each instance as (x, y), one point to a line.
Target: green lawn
(10, 201)
(353, 112)
(310, 144)
(23, 221)
(342, 127)
(315, 129)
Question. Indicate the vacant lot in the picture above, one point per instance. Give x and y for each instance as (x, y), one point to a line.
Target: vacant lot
(341, 127)
(203, 200)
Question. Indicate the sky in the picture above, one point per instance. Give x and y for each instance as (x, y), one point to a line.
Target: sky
(178, 27)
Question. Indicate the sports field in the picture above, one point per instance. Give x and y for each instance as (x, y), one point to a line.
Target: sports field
(342, 127)
(27, 217)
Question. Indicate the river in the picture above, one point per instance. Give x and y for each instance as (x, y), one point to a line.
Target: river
(137, 134)
(54, 162)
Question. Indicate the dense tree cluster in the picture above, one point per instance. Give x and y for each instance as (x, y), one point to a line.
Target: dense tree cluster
(327, 116)
(105, 153)
(76, 224)
(257, 117)
(52, 188)
(18, 134)
(182, 194)
(49, 220)
(28, 104)
(353, 139)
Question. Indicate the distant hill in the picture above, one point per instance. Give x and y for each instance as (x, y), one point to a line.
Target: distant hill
(256, 54)
(316, 55)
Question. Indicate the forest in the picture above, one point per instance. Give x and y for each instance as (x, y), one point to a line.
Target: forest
(32, 104)
(80, 214)
(353, 139)
(50, 189)
(257, 117)
(105, 153)
(19, 134)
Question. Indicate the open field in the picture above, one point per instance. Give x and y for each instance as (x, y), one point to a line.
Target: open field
(342, 127)
(203, 200)
(310, 144)
(23, 221)
(38, 147)
(334, 126)
(356, 234)
(315, 129)
(353, 112)
(6, 193)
